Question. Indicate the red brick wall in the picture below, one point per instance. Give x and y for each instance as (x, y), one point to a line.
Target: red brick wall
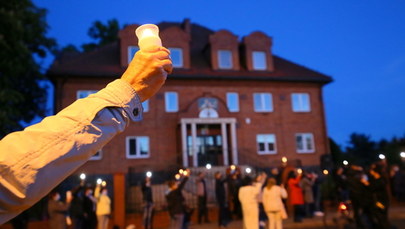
(163, 128)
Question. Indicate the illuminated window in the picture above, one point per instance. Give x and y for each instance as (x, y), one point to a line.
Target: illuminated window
(84, 93)
(232, 101)
(137, 147)
(300, 102)
(171, 102)
(266, 143)
(305, 143)
(225, 59)
(259, 60)
(263, 102)
(177, 57)
(131, 52)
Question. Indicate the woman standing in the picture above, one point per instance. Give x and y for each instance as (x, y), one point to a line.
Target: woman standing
(273, 204)
(296, 196)
(103, 209)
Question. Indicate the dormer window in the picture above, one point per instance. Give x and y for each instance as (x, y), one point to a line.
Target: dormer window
(131, 52)
(225, 59)
(259, 60)
(177, 57)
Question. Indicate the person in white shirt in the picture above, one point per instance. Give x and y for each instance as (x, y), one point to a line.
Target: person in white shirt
(249, 196)
(34, 161)
(273, 204)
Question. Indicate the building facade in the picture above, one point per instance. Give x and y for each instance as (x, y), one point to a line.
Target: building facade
(228, 101)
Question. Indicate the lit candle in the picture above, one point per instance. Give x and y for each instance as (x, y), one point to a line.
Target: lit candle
(148, 35)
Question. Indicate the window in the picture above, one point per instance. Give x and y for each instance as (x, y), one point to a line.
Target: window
(131, 52)
(137, 147)
(259, 60)
(171, 102)
(232, 101)
(225, 59)
(177, 57)
(145, 106)
(266, 143)
(97, 156)
(300, 102)
(263, 102)
(84, 93)
(305, 143)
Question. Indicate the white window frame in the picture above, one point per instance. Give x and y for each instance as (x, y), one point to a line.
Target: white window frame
(266, 151)
(168, 94)
(222, 64)
(262, 102)
(131, 52)
(302, 98)
(145, 106)
(304, 139)
(229, 101)
(179, 64)
(259, 61)
(138, 149)
(96, 157)
(87, 92)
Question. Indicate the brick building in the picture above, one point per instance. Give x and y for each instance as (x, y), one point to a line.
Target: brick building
(228, 101)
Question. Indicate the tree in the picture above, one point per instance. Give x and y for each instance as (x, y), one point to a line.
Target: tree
(102, 34)
(361, 150)
(23, 40)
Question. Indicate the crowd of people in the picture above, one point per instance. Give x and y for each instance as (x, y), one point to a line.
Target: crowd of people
(369, 191)
(83, 208)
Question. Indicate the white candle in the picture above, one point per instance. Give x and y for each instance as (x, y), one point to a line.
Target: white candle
(148, 35)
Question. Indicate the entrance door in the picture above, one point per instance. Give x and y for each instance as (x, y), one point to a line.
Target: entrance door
(209, 150)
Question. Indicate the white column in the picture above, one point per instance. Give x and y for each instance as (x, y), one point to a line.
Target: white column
(224, 143)
(184, 143)
(234, 144)
(194, 143)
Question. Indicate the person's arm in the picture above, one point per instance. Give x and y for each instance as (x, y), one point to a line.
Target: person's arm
(34, 161)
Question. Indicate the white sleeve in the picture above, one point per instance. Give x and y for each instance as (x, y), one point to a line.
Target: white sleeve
(34, 161)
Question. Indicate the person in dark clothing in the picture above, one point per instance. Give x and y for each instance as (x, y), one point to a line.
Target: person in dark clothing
(58, 211)
(175, 202)
(89, 208)
(202, 198)
(378, 187)
(222, 200)
(148, 203)
(234, 184)
(76, 208)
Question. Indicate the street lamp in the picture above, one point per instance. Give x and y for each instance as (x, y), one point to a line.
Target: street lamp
(402, 154)
(381, 156)
(345, 162)
(248, 170)
(82, 176)
(208, 166)
(149, 174)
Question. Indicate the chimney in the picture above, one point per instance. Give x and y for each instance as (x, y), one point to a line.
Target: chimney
(186, 25)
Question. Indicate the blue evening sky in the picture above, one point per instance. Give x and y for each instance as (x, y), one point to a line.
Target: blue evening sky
(360, 43)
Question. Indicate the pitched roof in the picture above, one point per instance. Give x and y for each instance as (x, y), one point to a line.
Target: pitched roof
(105, 62)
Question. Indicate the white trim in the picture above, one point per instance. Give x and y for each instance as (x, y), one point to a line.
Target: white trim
(305, 150)
(300, 106)
(181, 64)
(267, 151)
(221, 63)
(256, 56)
(137, 156)
(167, 94)
(228, 102)
(262, 102)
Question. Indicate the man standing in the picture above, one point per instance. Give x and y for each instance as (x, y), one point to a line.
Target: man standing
(202, 198)
(175, 202)
(147, 202)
